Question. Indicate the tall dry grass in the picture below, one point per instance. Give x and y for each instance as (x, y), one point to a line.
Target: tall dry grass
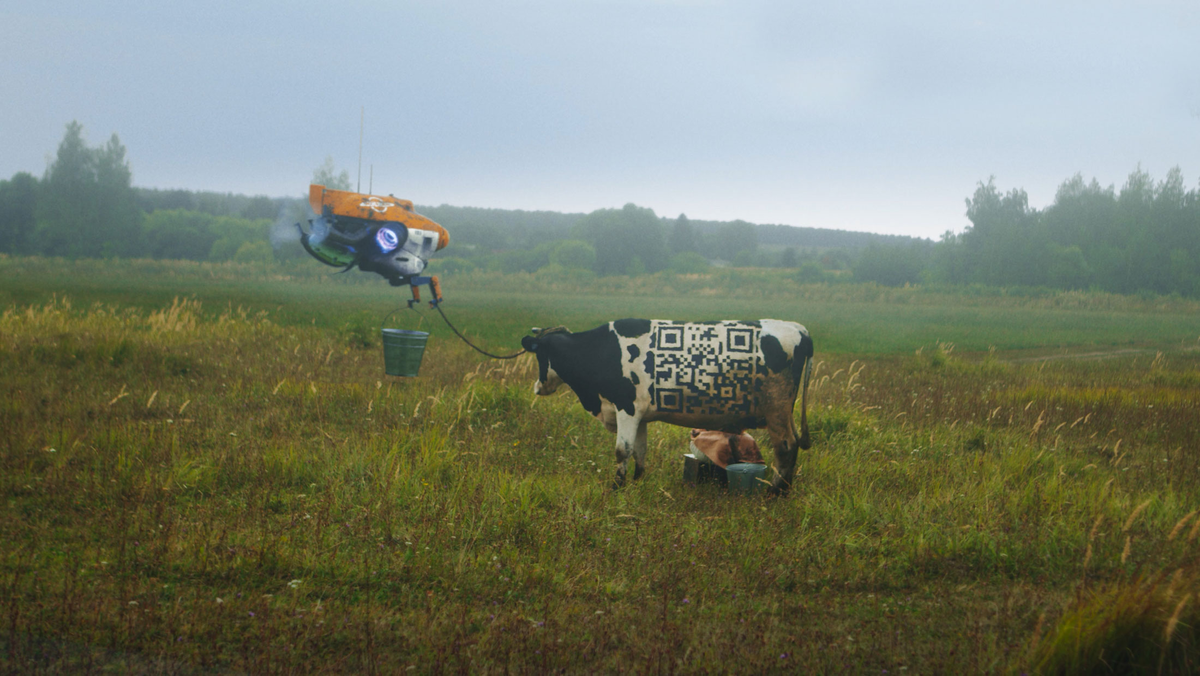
(188, 487)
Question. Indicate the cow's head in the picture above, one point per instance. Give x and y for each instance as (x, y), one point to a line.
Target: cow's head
(548, 381)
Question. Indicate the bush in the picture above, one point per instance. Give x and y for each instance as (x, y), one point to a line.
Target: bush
(557, 273)
(198, 236)
(254, 252)
(689, 262)
(744, 259)
(574, 253)
(810, 272)
(224, 249)
(176, 233)
(892, 265)
(622, 236)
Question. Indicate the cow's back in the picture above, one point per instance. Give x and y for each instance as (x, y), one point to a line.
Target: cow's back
(711, 374)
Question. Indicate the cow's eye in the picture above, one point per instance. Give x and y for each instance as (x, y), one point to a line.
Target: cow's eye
(387, 239)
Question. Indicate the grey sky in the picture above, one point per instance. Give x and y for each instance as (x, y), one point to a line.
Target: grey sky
(855, 115)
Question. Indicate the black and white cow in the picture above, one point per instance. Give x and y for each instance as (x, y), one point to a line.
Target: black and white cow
(728, 376)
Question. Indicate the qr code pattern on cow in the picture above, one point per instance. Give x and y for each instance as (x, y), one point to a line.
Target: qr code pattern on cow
(705, 369)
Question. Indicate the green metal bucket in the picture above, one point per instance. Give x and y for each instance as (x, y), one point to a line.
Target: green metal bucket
(402, 352)
(746, 478)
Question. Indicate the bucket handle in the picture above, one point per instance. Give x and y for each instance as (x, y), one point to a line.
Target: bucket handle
(389, 316)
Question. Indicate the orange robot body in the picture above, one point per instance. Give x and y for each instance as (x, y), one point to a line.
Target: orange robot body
(379, 209)
(376, 233)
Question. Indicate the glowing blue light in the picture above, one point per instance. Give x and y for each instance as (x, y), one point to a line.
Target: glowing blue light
(387, 239)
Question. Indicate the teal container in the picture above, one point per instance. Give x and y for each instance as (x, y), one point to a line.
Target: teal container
(746, 478)
(402, 352)
(696, 472)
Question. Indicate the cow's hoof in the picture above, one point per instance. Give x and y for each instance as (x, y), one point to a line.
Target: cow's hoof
(777, 492)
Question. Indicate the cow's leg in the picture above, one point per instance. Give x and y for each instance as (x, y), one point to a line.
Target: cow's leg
(786, 443)
(627, 435)
(639, 451)
(805, 439)
(784, 438)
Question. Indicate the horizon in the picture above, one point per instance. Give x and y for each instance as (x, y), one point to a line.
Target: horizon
(418, 206)
(860, 117)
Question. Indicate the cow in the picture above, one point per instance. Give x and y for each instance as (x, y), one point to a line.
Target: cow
(729, 376)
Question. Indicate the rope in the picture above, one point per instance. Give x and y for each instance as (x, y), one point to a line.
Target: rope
(538, 332)
(473, 346)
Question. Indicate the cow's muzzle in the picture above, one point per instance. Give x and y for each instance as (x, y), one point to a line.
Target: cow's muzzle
(549, 385)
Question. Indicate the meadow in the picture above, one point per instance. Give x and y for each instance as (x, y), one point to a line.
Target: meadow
(204, 469)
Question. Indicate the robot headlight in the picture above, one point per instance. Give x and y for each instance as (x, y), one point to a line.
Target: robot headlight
(387, 239)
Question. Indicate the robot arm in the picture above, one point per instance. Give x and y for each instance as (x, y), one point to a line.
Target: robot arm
(435, 288)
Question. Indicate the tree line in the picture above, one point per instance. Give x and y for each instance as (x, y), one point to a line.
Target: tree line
(85, 206)
(1145, 237)
(635, 239)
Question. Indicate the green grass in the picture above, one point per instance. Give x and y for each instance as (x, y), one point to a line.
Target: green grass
(849, 319)
(230, 482)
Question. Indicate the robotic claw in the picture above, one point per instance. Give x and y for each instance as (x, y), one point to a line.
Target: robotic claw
(435, 289)
(378, 234)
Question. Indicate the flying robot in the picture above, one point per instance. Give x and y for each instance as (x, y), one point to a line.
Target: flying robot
(378, 234)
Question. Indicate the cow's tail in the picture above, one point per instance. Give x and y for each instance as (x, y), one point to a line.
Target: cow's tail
(803, 357)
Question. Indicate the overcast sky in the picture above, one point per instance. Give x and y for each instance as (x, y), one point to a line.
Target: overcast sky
(873, 116)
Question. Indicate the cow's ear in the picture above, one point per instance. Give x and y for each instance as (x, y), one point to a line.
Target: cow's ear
(529, 343)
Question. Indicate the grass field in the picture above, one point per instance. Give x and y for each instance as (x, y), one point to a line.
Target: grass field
(203, 468)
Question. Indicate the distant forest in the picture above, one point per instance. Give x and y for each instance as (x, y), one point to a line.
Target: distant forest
(1143, 238)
